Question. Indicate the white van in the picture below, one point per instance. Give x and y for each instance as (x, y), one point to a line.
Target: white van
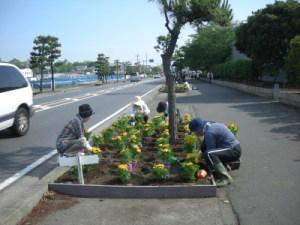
(134, 77)
(15, 100)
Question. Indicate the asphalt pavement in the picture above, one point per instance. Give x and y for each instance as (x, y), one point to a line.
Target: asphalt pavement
(53, 112)
(265, 189)
(19, 199)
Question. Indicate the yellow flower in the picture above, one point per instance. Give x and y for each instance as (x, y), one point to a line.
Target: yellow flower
(133, 136)
(96, 150)
(159, 166)
(123, 167)
(194, 157)
(186, 128)
(165, 150)
(165, 125)
(137, 148)
(187, 118)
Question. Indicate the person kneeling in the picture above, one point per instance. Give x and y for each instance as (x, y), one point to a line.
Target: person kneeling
(219, 147)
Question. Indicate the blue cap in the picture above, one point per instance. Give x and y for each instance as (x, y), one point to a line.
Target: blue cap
(196, 125)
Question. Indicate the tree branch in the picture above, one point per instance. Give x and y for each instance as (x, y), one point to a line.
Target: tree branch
(167, 20)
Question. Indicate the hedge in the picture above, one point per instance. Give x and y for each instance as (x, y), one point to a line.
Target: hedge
(237, 70)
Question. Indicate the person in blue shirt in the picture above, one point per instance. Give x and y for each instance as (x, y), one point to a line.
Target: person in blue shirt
(219, 147)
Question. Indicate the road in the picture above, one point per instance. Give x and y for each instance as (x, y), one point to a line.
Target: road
(53, 112)
(266, 188)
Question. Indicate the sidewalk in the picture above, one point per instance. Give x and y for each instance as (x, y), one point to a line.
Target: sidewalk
(206, 211)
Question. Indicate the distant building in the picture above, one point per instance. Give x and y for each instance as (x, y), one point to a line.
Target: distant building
(80, 69)
(27, 72)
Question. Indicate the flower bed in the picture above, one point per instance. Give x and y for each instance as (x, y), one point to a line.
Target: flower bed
(141, 155)
(179, 88)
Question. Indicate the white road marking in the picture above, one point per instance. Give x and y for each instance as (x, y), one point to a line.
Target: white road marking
(41, 160)
(26, 170)
(65, 101)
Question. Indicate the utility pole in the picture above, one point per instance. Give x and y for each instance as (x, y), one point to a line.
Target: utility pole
(137, 63)
(117, 70)
(146, 62)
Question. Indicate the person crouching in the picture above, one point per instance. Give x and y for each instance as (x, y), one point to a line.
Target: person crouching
(219, 147)
(71, 140)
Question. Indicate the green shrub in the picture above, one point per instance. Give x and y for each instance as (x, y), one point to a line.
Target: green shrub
(292, 62)
(237, 70)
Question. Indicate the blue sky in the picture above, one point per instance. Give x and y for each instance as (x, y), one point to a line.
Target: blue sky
(121, 29)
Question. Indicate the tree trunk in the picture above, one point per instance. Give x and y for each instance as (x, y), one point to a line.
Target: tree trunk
(41, 80)
(166, 58)
(170, 81)
(52, 76)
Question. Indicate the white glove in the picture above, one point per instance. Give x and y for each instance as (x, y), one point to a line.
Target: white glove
(86, 144)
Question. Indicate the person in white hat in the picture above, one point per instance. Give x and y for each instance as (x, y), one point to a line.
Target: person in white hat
(139, 107)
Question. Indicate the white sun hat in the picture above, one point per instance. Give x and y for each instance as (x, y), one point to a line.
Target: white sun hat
(138, 101)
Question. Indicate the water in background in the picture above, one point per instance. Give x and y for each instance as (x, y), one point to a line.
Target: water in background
(72, 79)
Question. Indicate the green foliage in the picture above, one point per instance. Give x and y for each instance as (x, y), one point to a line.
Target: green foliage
(177, 14)
(18, 63)
(188, 170)
(85, 169)
(123, 173)
(156, 69)
(266, 35)
(211, 45)
(237, 70)
(45, 52)
(160, 172)
(179, 88)
(178, 59)
(293, 61)
(102, 67)
(97, 140)
(126, 155)
(63, 66)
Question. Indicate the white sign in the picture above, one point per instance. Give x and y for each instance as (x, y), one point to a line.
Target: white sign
(73, 161)
(78, 161)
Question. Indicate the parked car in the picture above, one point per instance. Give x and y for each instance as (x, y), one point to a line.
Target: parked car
(143, 75)
(156, 76)
(134, 77)
(16, 100)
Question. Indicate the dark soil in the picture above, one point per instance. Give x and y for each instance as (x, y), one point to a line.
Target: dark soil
(105, 173)
(49, 203)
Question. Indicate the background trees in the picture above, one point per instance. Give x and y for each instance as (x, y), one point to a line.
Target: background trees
(45, 52)
(293, 61)
(39, 56)
(209, 46)
(54, 54)
(102, 67)
(266, 35)
(177, 13)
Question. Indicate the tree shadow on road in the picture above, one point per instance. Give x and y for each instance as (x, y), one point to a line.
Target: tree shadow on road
(284, 119)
